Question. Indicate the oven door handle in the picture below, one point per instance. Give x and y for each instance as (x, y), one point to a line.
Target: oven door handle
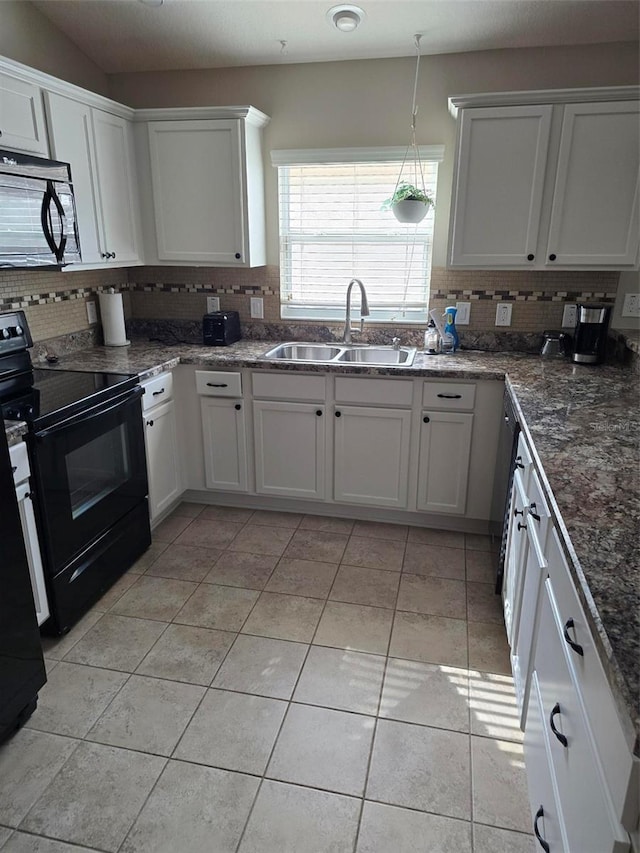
(96, 411)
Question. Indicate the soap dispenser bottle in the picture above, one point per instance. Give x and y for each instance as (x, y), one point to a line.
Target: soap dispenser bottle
(450, 328)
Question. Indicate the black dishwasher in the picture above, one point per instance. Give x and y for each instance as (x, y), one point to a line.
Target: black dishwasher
(22, 671)
(505, 467)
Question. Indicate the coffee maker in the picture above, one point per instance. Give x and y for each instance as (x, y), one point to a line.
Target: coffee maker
(590, 337)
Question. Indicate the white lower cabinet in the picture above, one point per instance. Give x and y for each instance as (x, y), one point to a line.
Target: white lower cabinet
(161, 444)
(546, 819)
(225, 443)
(587, 815)
(443, 470)
(371, 462)
(21, 472)
(580, 768)
(289, 442)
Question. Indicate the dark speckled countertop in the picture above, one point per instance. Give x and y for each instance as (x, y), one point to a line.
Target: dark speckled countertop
(584, 424)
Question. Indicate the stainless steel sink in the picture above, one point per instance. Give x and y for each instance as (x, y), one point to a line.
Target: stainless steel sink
(304, 352)
(318, 353)
(378, 355)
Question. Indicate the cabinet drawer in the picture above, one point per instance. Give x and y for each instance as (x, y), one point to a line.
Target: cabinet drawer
(448, 395)
(389, 392)
(157, 390)
(538, 511)
(276, 386)
(218, 383)
(590, 825)
(608, 735)
(524, 460)
(19, 462)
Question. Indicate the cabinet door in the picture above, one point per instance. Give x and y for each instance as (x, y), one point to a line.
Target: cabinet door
(545, 815)
(290, 449)
(21, 116)
(71, 138)
(198, 192)
(594, 216)
(371, 460)
(502, 155)
(443, 469)
(225, 445)
(163, 467)
(591, 826)
(528, 613)
(116, 186)
(516, 553)
(32, 547)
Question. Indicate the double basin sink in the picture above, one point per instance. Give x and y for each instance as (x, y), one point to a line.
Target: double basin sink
(318, 353)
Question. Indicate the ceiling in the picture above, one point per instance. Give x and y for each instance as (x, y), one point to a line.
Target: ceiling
(127, 35)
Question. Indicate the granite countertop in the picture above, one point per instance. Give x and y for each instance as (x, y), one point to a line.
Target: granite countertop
(584, 425)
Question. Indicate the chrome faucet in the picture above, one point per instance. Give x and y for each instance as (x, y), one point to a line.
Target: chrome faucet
(364, 310)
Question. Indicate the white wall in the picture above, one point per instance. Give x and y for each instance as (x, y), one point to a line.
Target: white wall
(28, 36)
(368, 102)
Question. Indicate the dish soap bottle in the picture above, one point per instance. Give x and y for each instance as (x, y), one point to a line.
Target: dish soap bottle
(431, 339)
(450, 331)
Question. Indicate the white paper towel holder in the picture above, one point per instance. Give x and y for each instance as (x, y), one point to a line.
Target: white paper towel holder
(112, 316)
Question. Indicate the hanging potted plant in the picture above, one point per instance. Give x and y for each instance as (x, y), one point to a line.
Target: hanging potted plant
(408, 203)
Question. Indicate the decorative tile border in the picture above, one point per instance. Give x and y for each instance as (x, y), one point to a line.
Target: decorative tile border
(229, 290)
(493, 295)
(53, 297)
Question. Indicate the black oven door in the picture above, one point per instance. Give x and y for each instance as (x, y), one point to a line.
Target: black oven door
(91, 472)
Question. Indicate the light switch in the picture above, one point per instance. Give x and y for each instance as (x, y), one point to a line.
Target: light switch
(213, 304)
(503, 314)
(257, 307)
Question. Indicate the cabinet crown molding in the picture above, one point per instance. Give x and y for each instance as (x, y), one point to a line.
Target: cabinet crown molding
(61, 87)
(544, 96)
(250, 114)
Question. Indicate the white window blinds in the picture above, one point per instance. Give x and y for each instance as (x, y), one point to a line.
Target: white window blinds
(333, 228)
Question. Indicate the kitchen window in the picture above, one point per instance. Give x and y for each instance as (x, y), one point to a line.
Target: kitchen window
(333, 228)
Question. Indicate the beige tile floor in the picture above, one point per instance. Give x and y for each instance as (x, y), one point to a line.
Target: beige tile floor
(269, 682)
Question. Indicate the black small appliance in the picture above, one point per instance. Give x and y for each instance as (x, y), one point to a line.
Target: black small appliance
(37, 213)
(590, 339)
(220, 328)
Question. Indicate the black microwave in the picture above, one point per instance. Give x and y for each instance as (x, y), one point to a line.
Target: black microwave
(37, 213)
(220, 328)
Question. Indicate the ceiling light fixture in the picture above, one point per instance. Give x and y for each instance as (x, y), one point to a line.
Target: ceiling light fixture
(345, 17)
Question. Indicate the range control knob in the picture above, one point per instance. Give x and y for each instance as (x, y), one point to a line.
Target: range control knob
(5, 333)
(18, 331)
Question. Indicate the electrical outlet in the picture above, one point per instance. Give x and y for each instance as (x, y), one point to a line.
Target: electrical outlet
(213, 304)
(92, 314)
(569, 316)
(503, 314)
(257, 307)
(631, 305)
(463, 313)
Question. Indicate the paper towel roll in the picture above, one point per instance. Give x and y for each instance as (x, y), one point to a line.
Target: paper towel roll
(112, 314)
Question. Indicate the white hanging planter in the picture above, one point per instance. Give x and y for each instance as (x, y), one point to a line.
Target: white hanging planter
(410, 210)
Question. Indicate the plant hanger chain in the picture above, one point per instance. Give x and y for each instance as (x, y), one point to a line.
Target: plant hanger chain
(417, 165)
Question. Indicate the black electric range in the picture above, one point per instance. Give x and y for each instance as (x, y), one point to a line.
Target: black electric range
(86, 450)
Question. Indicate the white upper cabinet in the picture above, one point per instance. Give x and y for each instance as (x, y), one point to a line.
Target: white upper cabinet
(98, 146)
(547, 185)
(22, 126)
(498, 194)
(116, 186)
(208, 190)
(594, 216)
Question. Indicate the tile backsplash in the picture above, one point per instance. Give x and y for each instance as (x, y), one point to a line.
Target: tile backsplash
(55, 302)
